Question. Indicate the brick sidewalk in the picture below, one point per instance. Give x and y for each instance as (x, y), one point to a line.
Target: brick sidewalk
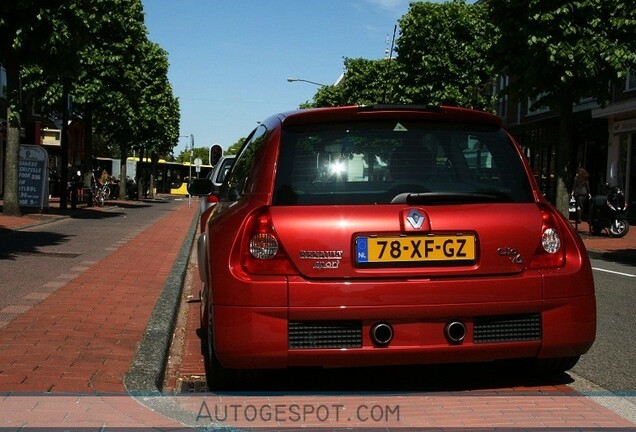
(83, 337)
(606, 244)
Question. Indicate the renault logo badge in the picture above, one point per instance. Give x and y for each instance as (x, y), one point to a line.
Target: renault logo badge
(415, 218)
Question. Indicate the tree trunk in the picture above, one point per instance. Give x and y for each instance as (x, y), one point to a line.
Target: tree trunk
(141, 173)
(123, 178)
(11, 205)
(87, 161)
(564, 159)
(154, 160)
(64, 172)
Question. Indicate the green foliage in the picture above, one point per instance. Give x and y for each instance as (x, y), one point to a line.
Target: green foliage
(561, 52)
(199, 152)
(117, 76)
(564, 51)
(34, 34)
(441, 60)
(365, 82)
(128, 77)
(234, 148)
(442, 55)
(122, 81)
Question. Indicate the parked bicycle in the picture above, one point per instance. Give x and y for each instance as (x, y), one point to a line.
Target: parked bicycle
(100, 192)
(106, 190)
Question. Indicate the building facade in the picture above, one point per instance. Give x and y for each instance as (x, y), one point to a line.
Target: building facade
(603, 139)
(620, 115)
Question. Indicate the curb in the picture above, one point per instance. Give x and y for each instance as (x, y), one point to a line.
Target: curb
(622, 255)
(41, 222)
(147, 370)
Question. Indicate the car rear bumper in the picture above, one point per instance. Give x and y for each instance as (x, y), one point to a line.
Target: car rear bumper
(267, 337)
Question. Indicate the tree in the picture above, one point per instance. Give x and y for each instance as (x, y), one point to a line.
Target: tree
(365, 82)
(156, 108)
(234, 148)
(442, 55)
(441, 60)
(199, 152)
(101, 91)
(34, 33)
(561, 52)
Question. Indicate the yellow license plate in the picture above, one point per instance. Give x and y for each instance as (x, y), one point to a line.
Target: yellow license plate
(415, 249)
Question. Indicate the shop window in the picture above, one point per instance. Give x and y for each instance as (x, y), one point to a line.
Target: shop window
(502, 102)
(538, 109)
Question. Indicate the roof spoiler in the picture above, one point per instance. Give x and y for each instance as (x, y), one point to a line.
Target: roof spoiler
(397, 107)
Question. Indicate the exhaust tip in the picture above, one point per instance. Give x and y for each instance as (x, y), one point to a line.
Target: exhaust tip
(381, 334)
(455, 332)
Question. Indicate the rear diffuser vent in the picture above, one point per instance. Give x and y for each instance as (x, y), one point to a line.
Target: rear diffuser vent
(508, 328)
(325, 334)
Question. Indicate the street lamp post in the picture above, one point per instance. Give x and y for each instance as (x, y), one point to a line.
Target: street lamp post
(185, 136)
(191, 153)
(190, 173)
(307, 81)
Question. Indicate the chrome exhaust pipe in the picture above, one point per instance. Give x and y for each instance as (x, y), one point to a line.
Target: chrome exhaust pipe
(455, 332)
(381, 334)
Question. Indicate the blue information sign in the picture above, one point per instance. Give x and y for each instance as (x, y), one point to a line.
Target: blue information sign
(33, 177)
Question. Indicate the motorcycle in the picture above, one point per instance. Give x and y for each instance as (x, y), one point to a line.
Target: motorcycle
(609, 212)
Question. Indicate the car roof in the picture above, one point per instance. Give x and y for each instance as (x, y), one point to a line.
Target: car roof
(421, 112)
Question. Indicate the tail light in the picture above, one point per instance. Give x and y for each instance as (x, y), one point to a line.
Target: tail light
(550, 253)
(212, 199)
(262, 252)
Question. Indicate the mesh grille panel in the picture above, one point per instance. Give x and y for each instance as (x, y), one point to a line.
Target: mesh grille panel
(325, 334)
(507, 328)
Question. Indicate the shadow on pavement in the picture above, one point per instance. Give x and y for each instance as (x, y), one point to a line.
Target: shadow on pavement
(402, 379)
(623, 256)
(24, 242)
(21, 242)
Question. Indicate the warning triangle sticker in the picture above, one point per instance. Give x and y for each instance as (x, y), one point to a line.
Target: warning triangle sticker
(399, 128)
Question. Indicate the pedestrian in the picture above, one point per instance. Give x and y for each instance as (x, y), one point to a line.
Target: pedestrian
(581, 191)
(104, 178)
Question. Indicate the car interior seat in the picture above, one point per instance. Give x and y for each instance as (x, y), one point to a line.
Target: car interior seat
(411, 161)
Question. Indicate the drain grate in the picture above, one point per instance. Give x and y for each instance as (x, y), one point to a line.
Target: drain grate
(191, 384)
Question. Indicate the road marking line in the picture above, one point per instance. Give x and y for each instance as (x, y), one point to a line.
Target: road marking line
(614, 272)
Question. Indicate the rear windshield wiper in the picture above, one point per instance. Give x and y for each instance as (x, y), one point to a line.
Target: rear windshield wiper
(447, 198)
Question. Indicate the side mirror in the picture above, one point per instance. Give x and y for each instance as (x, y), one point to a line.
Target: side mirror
(200, 187)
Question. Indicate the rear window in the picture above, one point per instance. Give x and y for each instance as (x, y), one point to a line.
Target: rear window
(376, 162)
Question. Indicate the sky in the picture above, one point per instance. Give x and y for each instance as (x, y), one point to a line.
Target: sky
(230, 59)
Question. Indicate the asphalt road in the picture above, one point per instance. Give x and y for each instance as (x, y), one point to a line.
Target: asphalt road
(611, 361)
(38, 260)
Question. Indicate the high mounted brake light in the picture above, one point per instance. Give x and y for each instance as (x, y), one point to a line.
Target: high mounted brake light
(399, 107)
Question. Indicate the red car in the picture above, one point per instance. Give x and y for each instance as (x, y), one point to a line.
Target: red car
(385, 235)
